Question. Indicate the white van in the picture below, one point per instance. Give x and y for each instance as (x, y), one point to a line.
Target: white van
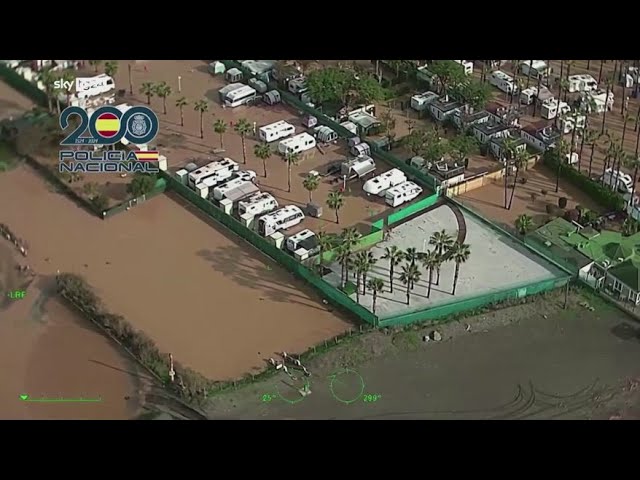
(621, 181)
(380, 184)
(91, 86)
(421, 101)
(298, 144)
(403, 193)
(504, 82)
(536, 67)
(582, 83)
(219, 170)
(282, 219)
(258, 204)
(304, 243)
(276, 131)
(240, 96)
(221, 191)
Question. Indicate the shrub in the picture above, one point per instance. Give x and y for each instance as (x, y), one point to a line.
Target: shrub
(544, 192)
(572, 215)
(562, 202)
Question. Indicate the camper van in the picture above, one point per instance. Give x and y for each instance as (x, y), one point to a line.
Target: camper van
(240, 96)
(504, 82)
(421, 101)
(298, 144)
(357, 167)
(568, 124)
(538, 68)
(599, 103)
(276, 131)
(467, 66)
(221, 191)
(552, 107)
(403, 193)
(298, 86)
(304, 244)
(618, 180)
(258, 204)
(89, 87)
(582, 83)
(282, 219)
(380, 184)
(528, 96)
(219, 170)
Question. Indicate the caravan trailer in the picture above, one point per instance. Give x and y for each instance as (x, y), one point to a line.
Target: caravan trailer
(536, 67)
(550, 109)
(380, 184)
(616, 180)
(221, 191)
(258, 204)
(276, 131)
(240, 96)
(528, 95)
(298, 144)
(286, 217)
(224, 91)
(504, 82)
(421, 101)
(467, 66)
(582, 83)
(92, 86)
(303, 244)
(325, 134)
(219, 170)
(403, 193)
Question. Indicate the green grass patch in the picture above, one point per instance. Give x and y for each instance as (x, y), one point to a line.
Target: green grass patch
(408, 340)
(349, 288)
(8, 158)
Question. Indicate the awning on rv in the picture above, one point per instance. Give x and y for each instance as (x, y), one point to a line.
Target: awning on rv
(242, 191)
(363, 168)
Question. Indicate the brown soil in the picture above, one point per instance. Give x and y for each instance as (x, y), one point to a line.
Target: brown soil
(217, 305)
(12, 103)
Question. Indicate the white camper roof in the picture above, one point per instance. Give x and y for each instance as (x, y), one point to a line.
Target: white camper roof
(402, 188)
(230, 88)
(257, 198)
(242, 191)
(283, 212)
(500, 75)
(301, 137)
(240, 92)
(536, 64)
(273, 127)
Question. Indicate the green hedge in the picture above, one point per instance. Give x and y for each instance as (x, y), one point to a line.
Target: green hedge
(28, 89)
(603, 195)
(158, 188)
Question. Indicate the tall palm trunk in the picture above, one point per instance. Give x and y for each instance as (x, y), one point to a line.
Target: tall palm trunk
(506, 182)
(573, 140)
(375, 297)
(222, 141)
(390, 277)
(201, 125)
(364, 283)
(513, 190)
(358, 287)
(606, 98)
(560, 80)
(535, 100)
(430, 282)
(623, 73)
(244, 150)
(408, 293)
(593, 150)
(566, 92)
(588, 64)
(455, 278)
(289, 184)
(130, 80)
(605, 166)
(624, 129)
(181, 117)
(600, 73)
(529, 76)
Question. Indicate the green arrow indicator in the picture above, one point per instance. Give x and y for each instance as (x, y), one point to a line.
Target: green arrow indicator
(24, 397)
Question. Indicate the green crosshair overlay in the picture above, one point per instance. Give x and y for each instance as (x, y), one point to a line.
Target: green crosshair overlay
(346, 386)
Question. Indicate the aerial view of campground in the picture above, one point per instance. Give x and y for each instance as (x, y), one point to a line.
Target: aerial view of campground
(319, 239)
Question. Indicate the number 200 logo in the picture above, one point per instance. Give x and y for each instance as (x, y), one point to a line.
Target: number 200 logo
(108, 125)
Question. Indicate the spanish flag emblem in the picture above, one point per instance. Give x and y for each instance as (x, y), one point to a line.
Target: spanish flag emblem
(107, 125)
(147, 156)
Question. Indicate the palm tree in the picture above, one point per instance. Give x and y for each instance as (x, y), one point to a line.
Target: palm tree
(520, 161)
(201, 106)
(634, 162)
(348, 240)
(442, 242)
(367, 261)
(148, 89)
(220, 127)
(326, 242)
(376, 285)
(561, 149)
(130, 79)
(409, 276)
(460, 253)
(591, 139)
(343, 256)
(524, 223)
(47, 77)
(181, 103)
(394, 256)
(335, 202)
(163, 90)
(111, 67)
(242, 128)
(263, 151)
(600, 73)
(509, 148)
(95, 64)
(311, 183)
(610, 83)
(292, 158)
(430, 261)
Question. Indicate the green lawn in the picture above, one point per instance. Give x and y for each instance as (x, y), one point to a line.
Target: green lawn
(8, 158)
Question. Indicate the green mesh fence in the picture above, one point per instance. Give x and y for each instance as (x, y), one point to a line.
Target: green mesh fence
(158, 188)
(366, 241)
(328, 292)
(568, 258)
(28, 89)
(412, 209)
(456, 308)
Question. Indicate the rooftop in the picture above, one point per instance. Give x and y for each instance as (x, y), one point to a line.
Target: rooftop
(517, 141)
(363, 119)
(489, 128)
(447, 106)
(628, 272)
(472, 117)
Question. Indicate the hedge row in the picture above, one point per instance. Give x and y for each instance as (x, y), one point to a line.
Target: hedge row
(18, 82)
(602, 194)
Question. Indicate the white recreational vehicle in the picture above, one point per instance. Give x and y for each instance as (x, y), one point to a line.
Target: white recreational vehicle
(222, 190)
(531, 94)
(218, 170)
(303, 244)
(240, 96)
(405, 192)
(421, 101)
(552, 107)
(357, 167)
(258, 204)
(281, 219)
(92, 86)
(466, 65)
(276, 131)
(618, 180)
(503, 82)
(298, 144)
(582, 83)
(380, 184)
(599, 103)
(536, 67)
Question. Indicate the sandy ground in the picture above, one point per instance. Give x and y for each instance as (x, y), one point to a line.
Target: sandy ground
(534, 361)
(47, 350)
(217, 305)
(12, 103)
(496, 263)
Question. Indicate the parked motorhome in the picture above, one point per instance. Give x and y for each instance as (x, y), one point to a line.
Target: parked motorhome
(528, 95)
(298, 144)
(467, 66)
(598, 104)
(276, 131)
(357, 167)
(240, 96)
(258, 85)
(92, 86)
(224, 91)
(281, 219)
(304, 244)
(421, 101)
(403, 193)
(616, 180)
(237, 192)
(380, 184)
(221, 190)
(552, 107)
(325, 134)
(569, 123)
(582, 83)
(220, 169)
(536, 67)
(503, 82)
(258, 204)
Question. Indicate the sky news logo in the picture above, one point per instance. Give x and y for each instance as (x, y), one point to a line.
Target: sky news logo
(77, 85)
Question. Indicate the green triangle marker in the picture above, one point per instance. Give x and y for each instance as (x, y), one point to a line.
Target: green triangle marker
(24, 397)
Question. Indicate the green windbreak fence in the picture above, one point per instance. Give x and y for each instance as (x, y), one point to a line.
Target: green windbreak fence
(455, 308)
(158, 188)
(365, 242)
(412, 209)
(28, 89)
(567, 258)
(331, 294)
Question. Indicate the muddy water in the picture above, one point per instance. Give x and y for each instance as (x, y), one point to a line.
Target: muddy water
(48, 350)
